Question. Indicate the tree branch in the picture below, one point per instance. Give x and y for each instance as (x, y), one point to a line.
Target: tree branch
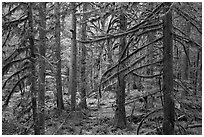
(147, 76)
(187, 40)
(130, 55)
(188, 18)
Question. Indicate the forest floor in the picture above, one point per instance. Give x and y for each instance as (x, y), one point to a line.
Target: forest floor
(99, 120)
(92, 121)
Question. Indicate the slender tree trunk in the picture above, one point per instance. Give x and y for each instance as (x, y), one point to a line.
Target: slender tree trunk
(83, 61)
(91, 73)
(42, 51)
(200, 73)
(120, 114)
(149, 100)
(60, 104)
(168, 122)
(196, 83)
(150, 69)
(186, 61)
(73, 69)
(110, 60)
(150, 49)
(33, 72)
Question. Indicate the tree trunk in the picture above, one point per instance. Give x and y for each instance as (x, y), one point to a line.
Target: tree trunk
(60, 104)
(83, 60)
(196, 82)
(186, 63)
(150, 69)
(110, 53)
(120, 114)
(200, 73)
(150, 48)
(185, 60)
(33, 72)
(42, 50)
(168, 122)
(73, 61)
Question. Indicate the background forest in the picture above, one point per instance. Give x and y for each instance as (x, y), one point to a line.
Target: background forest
(101, 68)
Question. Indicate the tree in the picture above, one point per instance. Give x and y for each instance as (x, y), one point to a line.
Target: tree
(150, 69)
(83, 60)
(150, 49)
(198, 74)
(42, 51)
(120, 114)
(168, 108)
(33, 72)
(123, 40)
(186, 56)
(73, 61)
(60, 104)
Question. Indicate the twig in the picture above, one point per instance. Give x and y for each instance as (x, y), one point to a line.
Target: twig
(147, 76)
(194, 126)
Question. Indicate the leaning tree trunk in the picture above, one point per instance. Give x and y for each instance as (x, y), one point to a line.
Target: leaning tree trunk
(120, 114)
(83, 60)
(33, 72)
(73, 61)
(168, 122)
(60, 104)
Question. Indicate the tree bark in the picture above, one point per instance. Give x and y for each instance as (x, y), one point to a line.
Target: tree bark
(168, 122)
(42, 51)
(150, 69)
(200, 73)
(120, 114)
(83, 61)
(73, 61)
(186, 63)
(150, 48)
(33, 72)
(196, 80)
(60, 104)
(185, 60)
